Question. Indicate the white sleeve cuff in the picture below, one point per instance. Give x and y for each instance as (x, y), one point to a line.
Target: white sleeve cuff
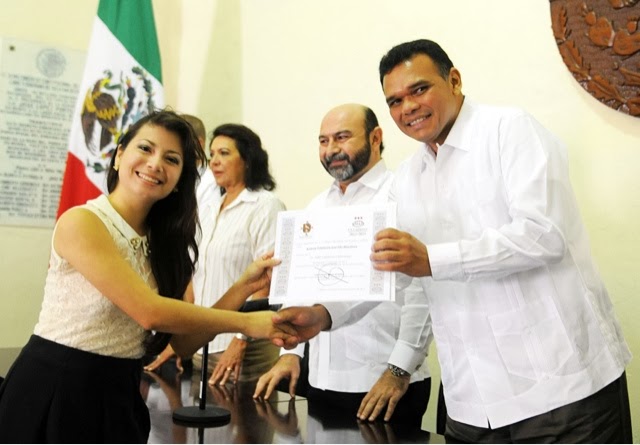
(406, 357)
(298, 350)
(446, 261)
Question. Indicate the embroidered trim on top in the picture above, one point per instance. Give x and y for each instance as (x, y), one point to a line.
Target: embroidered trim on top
(135, 242)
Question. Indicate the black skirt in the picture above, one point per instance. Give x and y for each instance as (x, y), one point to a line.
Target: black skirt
(57, 394)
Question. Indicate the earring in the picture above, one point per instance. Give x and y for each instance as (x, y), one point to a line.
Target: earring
(115, 167)
(175, 190)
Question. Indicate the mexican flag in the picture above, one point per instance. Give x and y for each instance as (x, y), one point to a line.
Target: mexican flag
(122, 81)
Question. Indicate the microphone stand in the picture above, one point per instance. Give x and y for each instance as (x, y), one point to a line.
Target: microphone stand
(202, 415)
(205, 415)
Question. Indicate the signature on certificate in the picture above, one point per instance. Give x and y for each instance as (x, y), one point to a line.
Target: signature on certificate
(329, 275)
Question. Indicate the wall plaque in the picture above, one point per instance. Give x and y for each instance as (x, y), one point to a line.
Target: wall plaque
(39, 86)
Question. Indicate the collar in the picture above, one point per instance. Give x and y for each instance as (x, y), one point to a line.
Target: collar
(459, 136)
(245, 195)
(136, 241)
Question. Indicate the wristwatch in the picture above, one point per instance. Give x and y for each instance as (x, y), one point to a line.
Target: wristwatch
(397, 371)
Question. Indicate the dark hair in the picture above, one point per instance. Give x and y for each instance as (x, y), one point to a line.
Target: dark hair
(197, 125)
(173, 220)
(406, 51)
(370, 123)
(256, 159)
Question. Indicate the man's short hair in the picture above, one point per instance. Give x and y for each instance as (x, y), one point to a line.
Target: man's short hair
(197, 125)
(408, 50)
(370, 123)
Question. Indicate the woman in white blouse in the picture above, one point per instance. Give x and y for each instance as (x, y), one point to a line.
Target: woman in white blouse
(236, 228)
(119, 266)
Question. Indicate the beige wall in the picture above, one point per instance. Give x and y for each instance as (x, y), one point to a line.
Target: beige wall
(278, 65)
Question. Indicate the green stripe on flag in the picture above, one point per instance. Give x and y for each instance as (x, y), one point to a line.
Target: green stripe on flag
(132, 23)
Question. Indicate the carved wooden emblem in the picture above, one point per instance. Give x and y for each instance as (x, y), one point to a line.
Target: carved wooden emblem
(599, 41)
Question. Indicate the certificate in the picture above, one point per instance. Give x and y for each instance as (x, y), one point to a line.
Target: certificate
(325, 255)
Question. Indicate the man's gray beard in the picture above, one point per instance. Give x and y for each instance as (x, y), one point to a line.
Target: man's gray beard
(342, 173)
(349, 171)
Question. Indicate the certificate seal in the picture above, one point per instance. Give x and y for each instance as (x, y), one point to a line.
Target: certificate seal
(306, 228)
(51, 62)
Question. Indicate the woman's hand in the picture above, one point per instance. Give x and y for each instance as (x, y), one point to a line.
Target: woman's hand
(163, 357)
(257, 276)
(261, 325)
(230, 364)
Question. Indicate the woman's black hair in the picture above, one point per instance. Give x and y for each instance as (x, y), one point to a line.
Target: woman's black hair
(172, 222)
(256, 158)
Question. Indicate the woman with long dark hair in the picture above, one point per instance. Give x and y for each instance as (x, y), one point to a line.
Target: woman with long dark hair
(119, 267)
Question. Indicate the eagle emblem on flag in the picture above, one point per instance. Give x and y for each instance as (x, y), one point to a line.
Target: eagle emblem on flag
(110, 106)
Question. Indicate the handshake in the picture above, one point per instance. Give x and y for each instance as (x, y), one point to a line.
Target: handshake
(287, 327)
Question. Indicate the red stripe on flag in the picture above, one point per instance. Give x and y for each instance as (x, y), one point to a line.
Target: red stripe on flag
(77, 189)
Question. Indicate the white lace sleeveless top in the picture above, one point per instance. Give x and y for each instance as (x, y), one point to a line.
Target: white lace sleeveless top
(76, 314)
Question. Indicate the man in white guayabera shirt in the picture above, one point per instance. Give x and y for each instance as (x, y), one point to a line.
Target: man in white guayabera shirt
(528, 341)
(372, 360)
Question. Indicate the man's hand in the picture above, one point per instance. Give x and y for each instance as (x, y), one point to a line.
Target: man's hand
(306, 322)
(164, 356)
(387, 391)
(230, 363)
(287, 366)
(398, 251)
